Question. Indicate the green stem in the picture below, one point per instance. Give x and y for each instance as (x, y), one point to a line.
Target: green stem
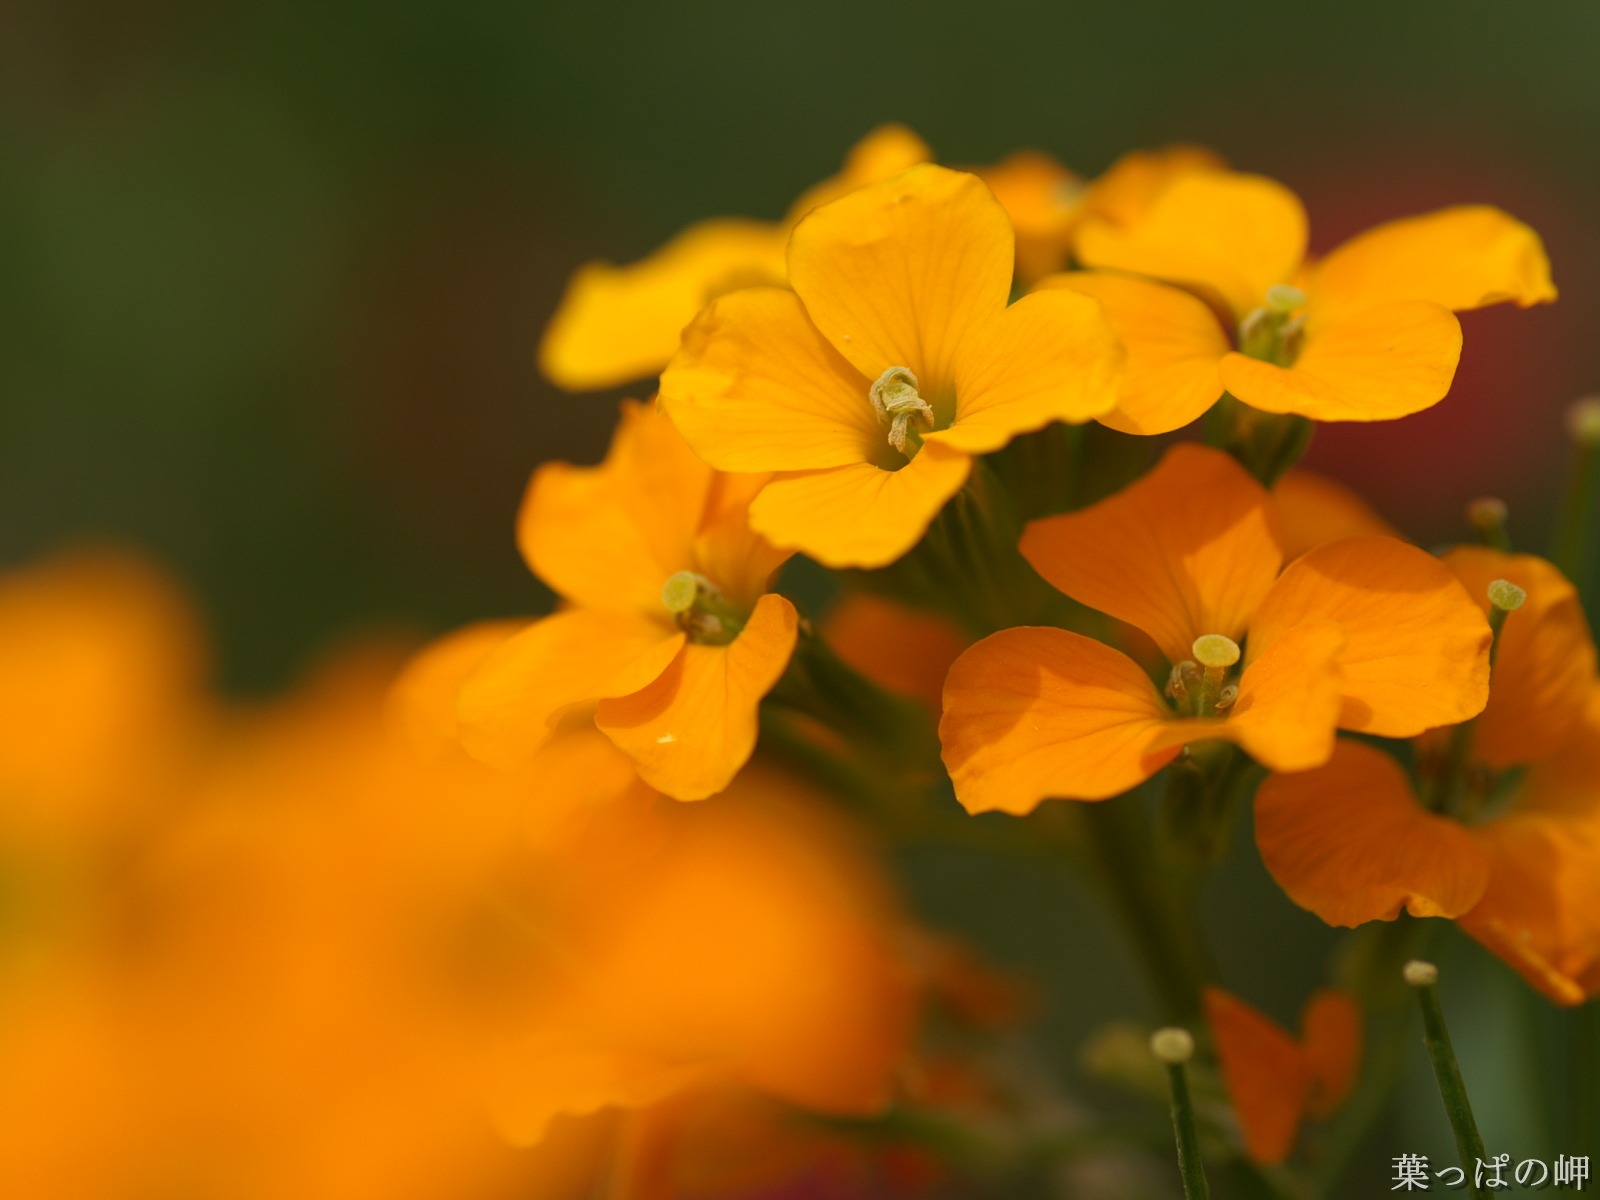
(1452, 1088)
(1576, 529)
(1174, 1047)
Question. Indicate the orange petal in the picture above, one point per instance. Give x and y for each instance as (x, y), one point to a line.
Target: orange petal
(1416, 649)
(728, 551)
(1173, 344)
(1313, 510)
(902, 273)
(1036, 713)
(618, 324)
(1330, 1033)
(1373, 365)
(901, 649)
(1565, 782)
(422, 699)
(1461, 258)
(609, 536)
(1223, 231)
(1289, 697)
(1350, 842)
(1188, 549)
(1125, 192)
(757, 388)
(886, 151)
(859, 516)
(1545, 666)
(1045, 201)
(512, 702)
(692, 728)
(1267, 1075)
(1541, 912)
(1051, 356)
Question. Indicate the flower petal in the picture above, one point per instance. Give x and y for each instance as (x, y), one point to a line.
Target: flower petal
(1416, 651)
(1462, 258)
(1045, 202)
(1126, 190)
(618, 324)
(692, 728)
(899, 648)
(1189, 549)
(1313, 510)
(422, 700)
(1545, 666)
(885, 152)
(1173, 343)
(1036, 713)
(512, 702)
(1051, 356)
(1331, 1036)
(1266, 1072)
(757, 388)
(862, 515)
(1223, 231)
(609, 536)
(1373, 365)
(1289, 697)
(902, 273)
(727, 550)
(1350, 842)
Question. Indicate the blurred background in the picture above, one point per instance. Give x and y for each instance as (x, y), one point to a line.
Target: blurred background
(272, 274)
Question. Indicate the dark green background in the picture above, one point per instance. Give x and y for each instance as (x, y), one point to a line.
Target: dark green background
(271, 275)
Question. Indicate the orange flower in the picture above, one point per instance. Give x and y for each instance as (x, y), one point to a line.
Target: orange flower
(896, 358)
(618, 324)
(670, 633)
(1313, 510)
(1365, 334)
(1351, 842)
(902, 650)
(1365, 633)
(1276, 1081)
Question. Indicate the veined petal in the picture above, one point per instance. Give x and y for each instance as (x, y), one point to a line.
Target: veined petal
(1230, 233)
(885, 152)
(1189, 549)
(1051, 356)
(1416, 651)
(1268, 1078)
(618, 324)
(1350, 842)
(1373, 365)
(1036, 713)
(511, 703)
(1289, 699)
(1545, 667)
(609, 536)
(1173, 343)
(902, 273)
(692, 727)
(1331, 1036)
(755, 387)
(861, 515)
(1313, 510)
(1462, 258)
(1541, 911)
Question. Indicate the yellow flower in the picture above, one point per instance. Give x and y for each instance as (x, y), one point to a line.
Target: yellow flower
(869, 387)
(618, 324)
(669, 637)
(1365, 334)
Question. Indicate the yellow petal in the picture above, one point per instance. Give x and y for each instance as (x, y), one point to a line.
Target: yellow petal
(1173, 343)
(886, 151)
(422, 700)
(1461, 258)
(727, 550)
(1289, 697)
(1350, 842)
(512, 702)
(692, 728)
(757, 388)
(1221, 231)
(859, 516)
(1125, 192)
(1266, 1072)
(1051, 356)
(1313, 510)
(902, 273)
(1045, 201)
(901, 649)
(1545, 666)
(1188, 549)
(1416, 651)
(609, 536)
(1035, 713)
(618, 324)
(1373, 365)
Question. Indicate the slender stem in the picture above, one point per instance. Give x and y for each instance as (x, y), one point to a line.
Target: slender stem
(1174, 1047)
(1423, 977)
(1577, 518)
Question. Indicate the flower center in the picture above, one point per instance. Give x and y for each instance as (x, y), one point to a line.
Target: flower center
(1274, 331)
(1200, 686)
(700, 609)
(901, 407)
